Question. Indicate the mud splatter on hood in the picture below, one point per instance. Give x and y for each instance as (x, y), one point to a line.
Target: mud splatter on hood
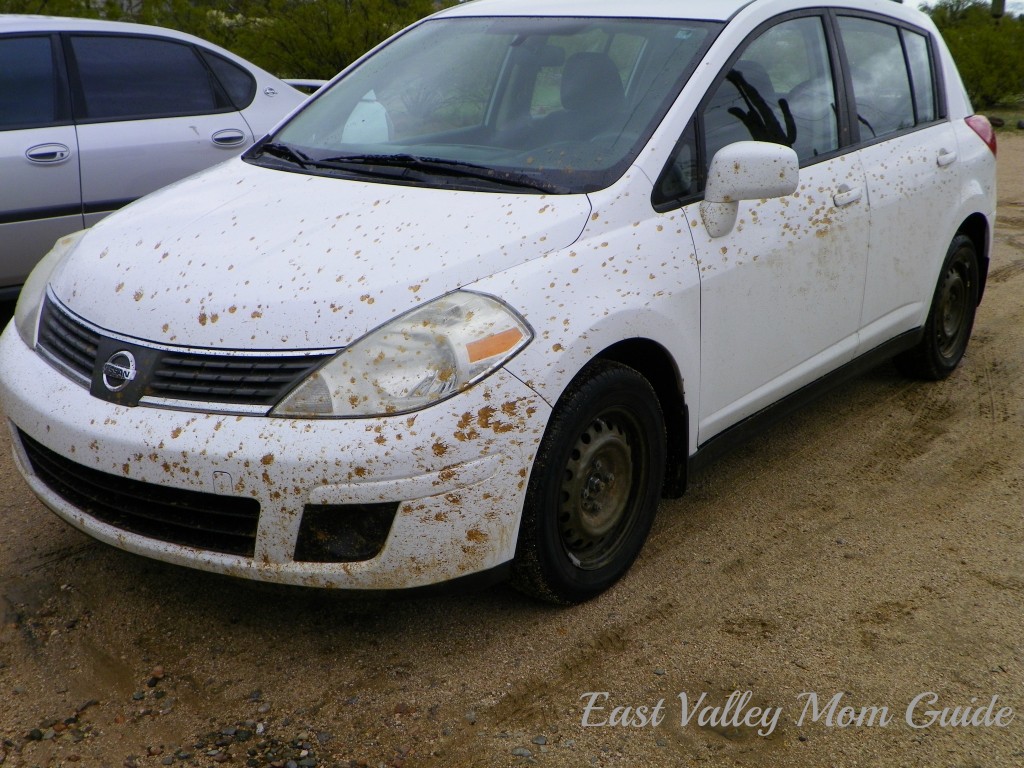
(246, 257)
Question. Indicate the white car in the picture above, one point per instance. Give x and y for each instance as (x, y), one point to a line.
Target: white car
(504, 283)
(94, 114)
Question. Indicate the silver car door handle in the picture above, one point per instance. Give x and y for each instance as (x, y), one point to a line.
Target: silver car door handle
(847, 195)
(945, 158)
(48, 153)
(229, 137)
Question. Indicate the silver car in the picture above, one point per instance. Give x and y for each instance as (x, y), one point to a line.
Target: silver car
(94, 114)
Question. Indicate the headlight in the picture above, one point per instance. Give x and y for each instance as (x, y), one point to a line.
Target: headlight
(413, 361)
(26, 312)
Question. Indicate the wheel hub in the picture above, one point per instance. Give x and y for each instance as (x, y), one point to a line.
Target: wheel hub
(596, 490)
(952, 311)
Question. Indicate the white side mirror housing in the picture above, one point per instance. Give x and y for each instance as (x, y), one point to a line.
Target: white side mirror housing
(746, 170)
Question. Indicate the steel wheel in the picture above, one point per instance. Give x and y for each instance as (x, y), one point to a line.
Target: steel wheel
(953, 309)
(950, 318)
(594, 487)
(598, 489)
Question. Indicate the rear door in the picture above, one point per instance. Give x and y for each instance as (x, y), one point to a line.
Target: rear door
(911, 169)
(40, 193)
(149, 112)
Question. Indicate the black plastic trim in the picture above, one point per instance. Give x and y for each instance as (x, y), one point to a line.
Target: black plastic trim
(106, 206)
(36, 214)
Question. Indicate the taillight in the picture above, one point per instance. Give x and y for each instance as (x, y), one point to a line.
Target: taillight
(982, 127)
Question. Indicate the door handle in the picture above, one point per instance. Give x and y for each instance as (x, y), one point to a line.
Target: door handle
(846, 195)
(945, 158)
(48, 154)
(229, 137)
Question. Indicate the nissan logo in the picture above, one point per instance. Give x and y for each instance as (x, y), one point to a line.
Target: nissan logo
(119, 370)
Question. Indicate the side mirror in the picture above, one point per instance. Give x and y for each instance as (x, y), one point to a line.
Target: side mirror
(746, 170)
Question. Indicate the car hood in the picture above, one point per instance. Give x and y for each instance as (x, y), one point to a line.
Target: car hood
(243, 257)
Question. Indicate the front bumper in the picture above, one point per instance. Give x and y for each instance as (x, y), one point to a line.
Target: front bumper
(459, 470)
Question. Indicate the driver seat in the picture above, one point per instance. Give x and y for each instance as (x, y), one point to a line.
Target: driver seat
(592, 96)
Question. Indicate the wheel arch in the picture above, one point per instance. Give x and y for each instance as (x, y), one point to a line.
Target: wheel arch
(656, 364)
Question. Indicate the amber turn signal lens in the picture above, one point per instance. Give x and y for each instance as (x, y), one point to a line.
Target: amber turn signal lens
(492, 345)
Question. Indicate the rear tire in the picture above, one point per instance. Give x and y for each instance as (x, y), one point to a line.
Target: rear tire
(594, 488)
(951, 317)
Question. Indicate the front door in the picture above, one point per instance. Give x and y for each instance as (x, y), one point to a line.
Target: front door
(781, 293)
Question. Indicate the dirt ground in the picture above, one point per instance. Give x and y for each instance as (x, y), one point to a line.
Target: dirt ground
(872, 548)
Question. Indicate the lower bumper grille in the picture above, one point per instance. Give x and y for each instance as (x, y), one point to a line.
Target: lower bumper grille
(225, 524)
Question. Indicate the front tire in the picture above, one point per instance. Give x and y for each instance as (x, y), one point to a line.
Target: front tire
(594, 488)
(951, 317)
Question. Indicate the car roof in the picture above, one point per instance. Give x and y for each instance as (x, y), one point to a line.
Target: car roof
(719, 10)
(703, 10)
(32, 23)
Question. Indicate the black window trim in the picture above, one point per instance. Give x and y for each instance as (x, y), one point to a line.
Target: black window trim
(78, 93)
(61, 96)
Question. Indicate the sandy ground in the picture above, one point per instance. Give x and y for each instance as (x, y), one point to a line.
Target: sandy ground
(871, 548)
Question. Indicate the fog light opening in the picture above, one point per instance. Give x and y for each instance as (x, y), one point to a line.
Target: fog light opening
(343, 533)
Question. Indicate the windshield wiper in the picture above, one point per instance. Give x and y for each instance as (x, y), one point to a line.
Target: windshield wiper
(438, 166)
(284, 152)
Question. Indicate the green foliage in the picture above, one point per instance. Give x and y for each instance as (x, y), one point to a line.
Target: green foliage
(989, 52)
(296, 38)
(291, 38)
(50, 7)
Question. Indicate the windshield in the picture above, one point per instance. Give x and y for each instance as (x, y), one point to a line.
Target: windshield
(539, 104)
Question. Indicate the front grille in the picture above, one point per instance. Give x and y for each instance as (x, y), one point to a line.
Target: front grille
(168, 374)
(208, 521)
(227, 379)
(68, 341)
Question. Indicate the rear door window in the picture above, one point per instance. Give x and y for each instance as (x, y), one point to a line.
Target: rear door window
(134, 78)
(881, 82)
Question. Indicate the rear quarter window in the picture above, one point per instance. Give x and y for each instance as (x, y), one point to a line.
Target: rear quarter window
(237, 82)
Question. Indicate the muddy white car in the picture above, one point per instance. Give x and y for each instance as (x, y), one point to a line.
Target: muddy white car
(503, 284)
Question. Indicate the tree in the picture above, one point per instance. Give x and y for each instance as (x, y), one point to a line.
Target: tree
(292, 38)
(988, 51)
(317, 39)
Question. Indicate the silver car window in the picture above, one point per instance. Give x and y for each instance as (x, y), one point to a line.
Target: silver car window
(125, 78)
(28, 83)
